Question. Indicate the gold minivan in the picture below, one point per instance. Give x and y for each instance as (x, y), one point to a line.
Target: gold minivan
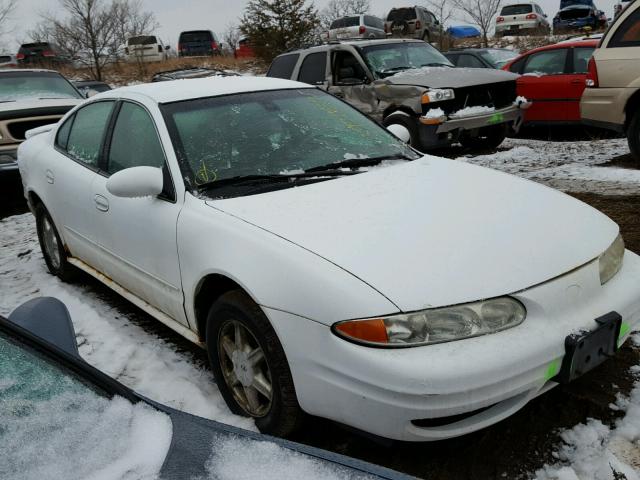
(612, 97)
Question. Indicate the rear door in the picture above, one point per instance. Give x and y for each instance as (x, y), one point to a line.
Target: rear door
(544, 82)
(70, 172)
(617, 61)
(579, 61)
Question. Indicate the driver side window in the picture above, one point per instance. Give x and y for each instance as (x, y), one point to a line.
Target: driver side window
(347, 70)
(550, 62)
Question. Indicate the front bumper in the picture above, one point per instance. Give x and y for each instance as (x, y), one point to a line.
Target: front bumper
(407, 394)
(448, 131)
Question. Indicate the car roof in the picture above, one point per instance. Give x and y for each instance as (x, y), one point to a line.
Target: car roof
(178, 90)
(358, 43)
(477, 49)
(576, 43)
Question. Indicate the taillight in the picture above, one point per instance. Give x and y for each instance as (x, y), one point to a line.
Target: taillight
(499, 19)
(48, 53)
(418, 25)
(592, 74)
(20, 56)
(362, 30)
(531, 16)
(214, 46)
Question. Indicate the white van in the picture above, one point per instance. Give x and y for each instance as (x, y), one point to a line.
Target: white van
(146, 48)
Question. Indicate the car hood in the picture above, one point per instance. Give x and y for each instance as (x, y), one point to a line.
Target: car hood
(434, 232)
(36, 104)
(448, 77)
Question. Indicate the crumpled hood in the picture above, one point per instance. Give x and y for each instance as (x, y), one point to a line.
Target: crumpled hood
(448, 77)
(434, 232)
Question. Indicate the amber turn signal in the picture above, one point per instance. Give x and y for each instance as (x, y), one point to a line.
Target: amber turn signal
(372, 330)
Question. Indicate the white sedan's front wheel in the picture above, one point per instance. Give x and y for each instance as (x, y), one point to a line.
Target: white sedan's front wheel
(250, 366)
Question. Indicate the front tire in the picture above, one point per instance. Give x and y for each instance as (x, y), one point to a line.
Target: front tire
(633, 137)
(52, 247)
(250, 365)
(487, 138)
(409, 123)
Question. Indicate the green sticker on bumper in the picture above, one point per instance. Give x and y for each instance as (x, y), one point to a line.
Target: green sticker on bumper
(552, 370)
(495, 118)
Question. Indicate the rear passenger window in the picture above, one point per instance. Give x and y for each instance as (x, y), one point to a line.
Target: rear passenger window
(63, 133)
(87, 132)
(469, 61)
(628, 33)
(135, 142)
(581, 58)
(314, 69)
(282, 67)
(550, 62)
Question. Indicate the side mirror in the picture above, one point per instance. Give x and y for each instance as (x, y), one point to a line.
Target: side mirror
(136, 182)
(167, 48)
(400, 131)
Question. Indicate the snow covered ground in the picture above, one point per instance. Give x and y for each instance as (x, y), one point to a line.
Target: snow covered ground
(576, 166)
(106, 336)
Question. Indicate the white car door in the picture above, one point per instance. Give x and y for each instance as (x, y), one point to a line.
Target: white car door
(138, 235)
(70, 171)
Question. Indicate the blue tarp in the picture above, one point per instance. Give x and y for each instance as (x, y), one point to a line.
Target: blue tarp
(463, 31)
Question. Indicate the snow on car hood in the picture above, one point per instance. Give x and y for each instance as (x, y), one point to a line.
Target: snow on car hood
(449, 77)
(434, 232)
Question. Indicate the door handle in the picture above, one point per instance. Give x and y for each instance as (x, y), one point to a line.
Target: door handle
(102, 203)
(577, 82)
(49, 176)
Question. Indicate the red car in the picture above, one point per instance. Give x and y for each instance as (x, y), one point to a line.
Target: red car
(244, 49)
(553, 79)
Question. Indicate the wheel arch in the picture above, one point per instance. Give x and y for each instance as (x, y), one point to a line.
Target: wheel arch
(209, 289)
(632, 106)
(391, 109)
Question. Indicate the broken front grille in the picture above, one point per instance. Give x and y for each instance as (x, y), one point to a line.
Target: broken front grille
(497, 95)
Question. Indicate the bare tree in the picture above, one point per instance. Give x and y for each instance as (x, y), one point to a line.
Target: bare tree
(7, 7)
(93, 31)
(443, 11)
(342, 8)
(231, 36)
(480, 12)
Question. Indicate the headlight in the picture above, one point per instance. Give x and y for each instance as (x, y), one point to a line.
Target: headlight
(436, 325)
(438, 95)
(611, 260)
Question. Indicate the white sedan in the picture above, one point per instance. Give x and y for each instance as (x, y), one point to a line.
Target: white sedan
(326, 266)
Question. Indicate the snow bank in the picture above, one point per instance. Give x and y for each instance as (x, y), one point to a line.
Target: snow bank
(574, 166)
(268, 461)
(108, 339)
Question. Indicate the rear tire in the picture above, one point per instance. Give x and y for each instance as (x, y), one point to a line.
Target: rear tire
(488, 138)
(238, 333)
(409, 123)
(633, 136)
(52, 247)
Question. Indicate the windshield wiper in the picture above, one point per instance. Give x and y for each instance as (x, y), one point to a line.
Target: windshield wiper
(435, 64)
(358, 162)
(280, 177)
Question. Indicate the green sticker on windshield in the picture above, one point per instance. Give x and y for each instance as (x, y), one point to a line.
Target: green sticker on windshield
(495, 118)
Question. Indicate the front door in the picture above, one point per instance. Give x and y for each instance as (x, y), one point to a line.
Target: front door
(138, 235)
(544, 83)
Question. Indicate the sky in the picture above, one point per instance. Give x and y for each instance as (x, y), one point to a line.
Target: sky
(175, 16)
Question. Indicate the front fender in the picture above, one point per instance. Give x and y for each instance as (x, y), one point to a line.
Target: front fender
(275, 272)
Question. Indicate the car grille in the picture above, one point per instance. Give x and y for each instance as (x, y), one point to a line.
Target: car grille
(497, 95)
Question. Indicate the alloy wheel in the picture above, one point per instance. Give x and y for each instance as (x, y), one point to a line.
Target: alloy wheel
(51, 242)
(245, 368)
